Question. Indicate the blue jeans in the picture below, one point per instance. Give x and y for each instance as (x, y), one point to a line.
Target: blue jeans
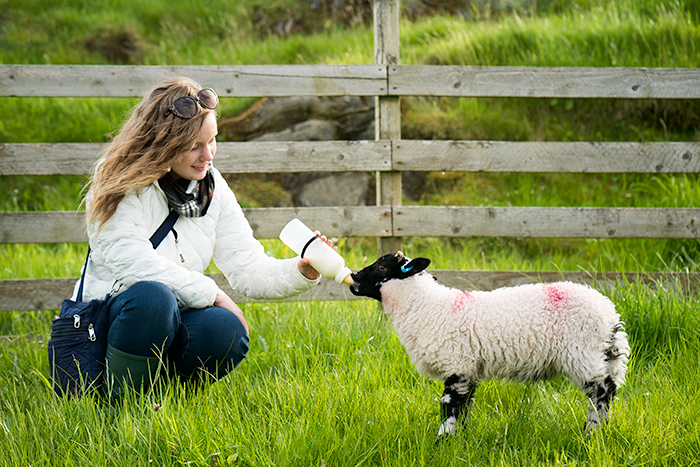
(146, 320)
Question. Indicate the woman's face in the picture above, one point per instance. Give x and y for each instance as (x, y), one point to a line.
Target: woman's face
(195, 164)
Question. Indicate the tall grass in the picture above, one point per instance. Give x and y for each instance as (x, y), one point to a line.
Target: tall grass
(328, 383)
(617, 34)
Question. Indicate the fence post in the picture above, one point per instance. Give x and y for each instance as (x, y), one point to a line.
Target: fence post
(387, 117)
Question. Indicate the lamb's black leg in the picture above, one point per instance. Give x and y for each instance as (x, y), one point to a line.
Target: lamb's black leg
(599, 396)
(458, 395)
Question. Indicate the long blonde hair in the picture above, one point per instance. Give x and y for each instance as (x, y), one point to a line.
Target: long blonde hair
(145, 149)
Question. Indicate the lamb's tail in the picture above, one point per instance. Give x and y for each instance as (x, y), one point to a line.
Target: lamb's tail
(617, 354)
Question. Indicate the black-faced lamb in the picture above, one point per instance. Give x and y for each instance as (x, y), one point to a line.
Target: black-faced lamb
(524, 333)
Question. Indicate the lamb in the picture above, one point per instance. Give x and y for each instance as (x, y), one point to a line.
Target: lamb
(524, 333)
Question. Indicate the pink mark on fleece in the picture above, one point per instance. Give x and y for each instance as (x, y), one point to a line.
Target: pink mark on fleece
(461, 300)
(556, 297)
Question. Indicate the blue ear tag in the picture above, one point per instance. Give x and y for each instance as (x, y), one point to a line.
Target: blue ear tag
(405, 269)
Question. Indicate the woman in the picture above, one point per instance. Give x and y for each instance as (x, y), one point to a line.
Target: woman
(161, 303)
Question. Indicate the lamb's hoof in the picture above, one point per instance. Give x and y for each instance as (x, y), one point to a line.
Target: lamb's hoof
(590, 428)
(447, 428)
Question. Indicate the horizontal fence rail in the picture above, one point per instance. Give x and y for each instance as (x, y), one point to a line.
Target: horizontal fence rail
(248, 157)
(47, 294)
(546, 222)
(408, 221)
(526, 156)
(69, 226)
(356, 80)
(398, 155)
(561, 82)
(229, 81)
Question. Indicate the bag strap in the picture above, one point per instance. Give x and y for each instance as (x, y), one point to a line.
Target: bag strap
(155, 240)
(79, 297)
(164, 228)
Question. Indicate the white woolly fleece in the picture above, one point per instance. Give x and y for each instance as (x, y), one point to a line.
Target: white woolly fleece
(525, 333)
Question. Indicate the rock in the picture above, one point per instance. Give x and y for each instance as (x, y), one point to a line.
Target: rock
(309, 118)
(273, 114)
(335, 189)
(310, 130)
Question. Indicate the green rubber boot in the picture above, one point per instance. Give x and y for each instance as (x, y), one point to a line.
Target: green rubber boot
(125, 370)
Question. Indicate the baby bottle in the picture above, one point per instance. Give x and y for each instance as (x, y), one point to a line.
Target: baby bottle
(322, 257)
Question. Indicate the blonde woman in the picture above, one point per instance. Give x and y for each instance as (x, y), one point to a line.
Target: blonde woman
(161, 303)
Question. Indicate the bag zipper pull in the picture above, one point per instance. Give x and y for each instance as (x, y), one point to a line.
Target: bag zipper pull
(177, 244)
(91, 333)
(76, 321)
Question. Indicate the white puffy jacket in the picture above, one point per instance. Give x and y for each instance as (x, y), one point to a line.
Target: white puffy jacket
(123, 255)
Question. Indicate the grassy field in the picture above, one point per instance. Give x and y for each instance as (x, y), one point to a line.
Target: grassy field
(328, 383)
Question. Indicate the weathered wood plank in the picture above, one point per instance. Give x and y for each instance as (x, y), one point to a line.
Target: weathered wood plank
(423, 221)
(386, 32)
(456, 221)
(335, 221)
(68, 226)
(366, 156)
(245, 157)
(228, 81)
(47, 294)
(42, 227)
(572, 157)
(34, 294)
(359, 80)
(48, 158)
(305, 156)
(387, 109)
(562, 82)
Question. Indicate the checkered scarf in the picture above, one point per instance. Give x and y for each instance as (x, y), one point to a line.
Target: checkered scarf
(189, 198)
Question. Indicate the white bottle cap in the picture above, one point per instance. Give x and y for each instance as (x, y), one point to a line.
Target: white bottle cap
(342, 274)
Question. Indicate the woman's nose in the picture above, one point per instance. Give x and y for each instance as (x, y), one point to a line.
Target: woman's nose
(207, 153)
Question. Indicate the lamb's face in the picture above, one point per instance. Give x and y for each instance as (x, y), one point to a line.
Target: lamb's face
(369, 280)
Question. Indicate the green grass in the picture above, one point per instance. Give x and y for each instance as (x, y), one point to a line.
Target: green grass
(613, 35)
(328, 383)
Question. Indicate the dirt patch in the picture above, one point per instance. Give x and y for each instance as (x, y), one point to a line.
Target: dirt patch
(123, 46)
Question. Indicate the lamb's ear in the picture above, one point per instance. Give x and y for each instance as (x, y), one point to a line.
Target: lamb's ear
(414, 267)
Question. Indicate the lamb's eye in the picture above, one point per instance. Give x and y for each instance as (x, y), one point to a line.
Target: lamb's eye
(381, 268)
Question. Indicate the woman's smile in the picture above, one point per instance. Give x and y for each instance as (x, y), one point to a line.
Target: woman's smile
(195, 164)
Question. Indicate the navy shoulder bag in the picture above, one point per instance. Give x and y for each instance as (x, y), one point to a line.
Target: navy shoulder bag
(79, 335)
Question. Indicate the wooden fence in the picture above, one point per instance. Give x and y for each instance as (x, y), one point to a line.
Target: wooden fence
(387, 156)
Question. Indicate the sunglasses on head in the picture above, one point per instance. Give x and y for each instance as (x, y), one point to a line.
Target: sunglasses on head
(186, 106)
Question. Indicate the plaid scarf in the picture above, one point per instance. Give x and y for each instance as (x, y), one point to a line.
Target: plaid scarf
(189, 198)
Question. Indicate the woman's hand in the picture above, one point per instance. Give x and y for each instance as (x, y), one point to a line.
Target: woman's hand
(305, 268)
(224, 301)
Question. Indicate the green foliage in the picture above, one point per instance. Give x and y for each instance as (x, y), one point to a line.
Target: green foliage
(329, 383)
(526, 119)
(606, 36)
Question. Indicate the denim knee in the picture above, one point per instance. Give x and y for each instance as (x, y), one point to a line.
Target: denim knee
(211, 341)
(143, 319)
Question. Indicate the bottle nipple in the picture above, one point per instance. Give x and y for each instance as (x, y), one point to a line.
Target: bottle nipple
(343, 276)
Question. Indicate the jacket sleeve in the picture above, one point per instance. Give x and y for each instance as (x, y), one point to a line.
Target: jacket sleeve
(243, 260)
(123, 246)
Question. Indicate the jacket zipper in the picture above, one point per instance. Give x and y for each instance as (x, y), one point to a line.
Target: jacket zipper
(177, 244)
